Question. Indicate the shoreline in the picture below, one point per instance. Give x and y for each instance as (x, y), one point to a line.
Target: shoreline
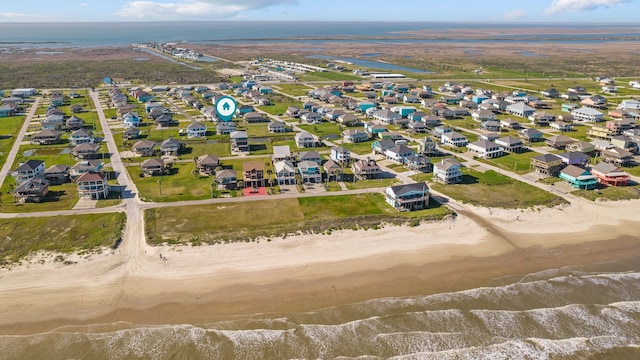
(306, 272)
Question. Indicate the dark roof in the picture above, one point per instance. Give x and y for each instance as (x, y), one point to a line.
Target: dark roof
(91, 176)
(574, 155)
(403, 189)
(547, 158)
(30, 165)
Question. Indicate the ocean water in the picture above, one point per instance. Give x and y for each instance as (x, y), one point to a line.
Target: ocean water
(52, 35)
(556, 314)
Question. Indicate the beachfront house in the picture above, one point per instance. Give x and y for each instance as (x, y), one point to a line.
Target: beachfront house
(253, 174)
(609, 174)
(578, 177)
(285, 172)
(93, 185)
(547, 165)
(408, 197)
(31, 191)
(447, 171)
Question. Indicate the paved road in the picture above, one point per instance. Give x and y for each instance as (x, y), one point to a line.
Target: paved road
(11, 157)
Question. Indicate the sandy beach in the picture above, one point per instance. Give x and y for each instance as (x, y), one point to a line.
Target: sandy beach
(304, 272)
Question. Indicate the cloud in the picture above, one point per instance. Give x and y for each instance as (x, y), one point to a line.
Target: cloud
(581, 5)
(514, 15)
(190, 9)
(18, 16)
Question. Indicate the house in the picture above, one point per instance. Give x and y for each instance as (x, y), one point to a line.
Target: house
(562, 126)
(340, 155)
(244, 109)
(84, 166)
(629, 104)
(285, 172)
(310, 172)
(380, 146)
(483, 115)
(31, 191)
(310, 156)
(333, 115)
(559, 141)
(404, 111)
(305, 140)
(541, 118)
(348, 119)
(86, 151)
(311, 118)
(333, 170)
(171, 147)
(207, 164)
(408, 197)
(398, 153)
(227, 178)
(28, 170)
(152, 167)
(596, 102)
(196, 130)
(130, 133)
(253, 174)
(46, 137)
(373, 129)
(366, 169)
(354, 136)
(491, 125)
(428, 147)
(131, 119)
(239, 141)
(7, 110)
(617, 156)
(454, 139)
(52, 122)
(531, 135)
(255, 117)
(582, 146)
(587, 114)
(74, 123)
(521, 110)
(550, 93)
(93, 185)
(225, 128)
(510, 144)
(57, 174)
(418, 127)
(386, 116)
(277, 127)
(547, 165)
(81, 136)
(485, 149)
(418, 162)
(609, 174)
(579, 178)
(164, 120)
(281, 153)
(574, 158)
(144, 148)
(293, 112)
(568, 107)
(447, 171)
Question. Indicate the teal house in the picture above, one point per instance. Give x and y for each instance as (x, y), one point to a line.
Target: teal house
(579, 178)
(365, 105)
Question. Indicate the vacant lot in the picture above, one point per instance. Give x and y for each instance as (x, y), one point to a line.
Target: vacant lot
(491, 189)
(249, 220)
(65, 234)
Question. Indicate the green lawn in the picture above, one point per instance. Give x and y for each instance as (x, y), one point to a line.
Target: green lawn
(248, 220)
(368, 184)
(491, 189)
(610, 193)
(518, 163)
(322, 130)
(9, 128)
(181, 185)
(22, 236)
(279, 108)
(361, 148)
(294, 89)
(60, 197)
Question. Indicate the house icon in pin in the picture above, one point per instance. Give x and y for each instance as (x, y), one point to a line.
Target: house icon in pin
(226, 106)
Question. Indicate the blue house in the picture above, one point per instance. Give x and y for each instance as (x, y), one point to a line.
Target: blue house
(478, 99)
(579, 178)
(363, 106)
(310, 172)
(107, 81)
(244, 109)
(6, 110)
(265, 90)
(131, 119)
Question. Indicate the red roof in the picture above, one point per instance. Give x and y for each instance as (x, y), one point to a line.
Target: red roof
(90, 176)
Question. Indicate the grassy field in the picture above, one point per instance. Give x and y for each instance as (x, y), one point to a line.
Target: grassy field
(79, 233)
(324, 129)
(373, 183)
(294, 89)
(610, 193)
(9, 128)
(491, 189)
(279, 108)
(244, 221)
(181, 185)
(518, 163)
(60, 197)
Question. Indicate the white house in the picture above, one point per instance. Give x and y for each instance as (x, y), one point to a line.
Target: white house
(285, 172)
(521, 110)
(305, 140)
(196, 130)
(453, 138)
(485, 149)
(340, 155)
(447, 171)
(587, 114)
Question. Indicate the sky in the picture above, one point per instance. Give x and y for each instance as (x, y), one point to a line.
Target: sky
(321, 10)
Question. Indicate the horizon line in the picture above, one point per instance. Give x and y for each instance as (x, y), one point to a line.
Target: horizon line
(502, 22)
